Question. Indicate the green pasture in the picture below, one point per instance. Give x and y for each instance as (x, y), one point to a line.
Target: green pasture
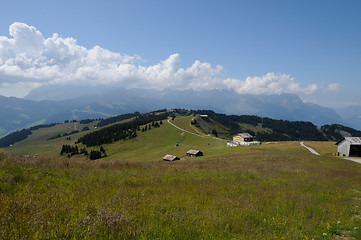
(274, 191)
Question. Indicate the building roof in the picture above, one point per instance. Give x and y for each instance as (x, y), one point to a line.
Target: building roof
(245, 135)
(193, 152)
(351, 140)
(169, 157)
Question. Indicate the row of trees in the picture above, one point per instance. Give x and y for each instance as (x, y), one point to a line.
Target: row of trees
(118, 118)
(64, 135)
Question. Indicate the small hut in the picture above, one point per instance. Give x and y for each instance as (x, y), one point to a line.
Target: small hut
(170, 158)
(194, 153)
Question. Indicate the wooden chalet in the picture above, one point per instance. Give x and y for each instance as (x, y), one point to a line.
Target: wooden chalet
(170, 158)
(194, 153)
(243, 137)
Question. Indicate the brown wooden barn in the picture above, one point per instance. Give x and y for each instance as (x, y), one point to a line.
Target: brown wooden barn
(170, 158)
(194, 153)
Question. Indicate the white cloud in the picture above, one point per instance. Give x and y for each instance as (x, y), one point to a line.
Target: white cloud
(28, 55)
(270, 83)
(333, 87)
(28, 60)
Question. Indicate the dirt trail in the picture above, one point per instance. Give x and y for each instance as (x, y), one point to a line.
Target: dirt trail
(185, 130)
(203, 136)
(310, 149)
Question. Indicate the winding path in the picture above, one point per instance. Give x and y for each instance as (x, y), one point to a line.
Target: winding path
(185, 130)
(199, 135)
(310, 149)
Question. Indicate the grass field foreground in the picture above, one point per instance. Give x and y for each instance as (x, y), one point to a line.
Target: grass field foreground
(276, 191)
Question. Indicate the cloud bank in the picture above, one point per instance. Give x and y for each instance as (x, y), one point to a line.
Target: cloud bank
(28, 60)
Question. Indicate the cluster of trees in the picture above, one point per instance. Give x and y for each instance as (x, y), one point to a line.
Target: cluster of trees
(74, 150)
(68, 121)
(333, 131)
(85, 129)
(122, 131)
(42, 126)
(118, 118)
(214, 132)
(149, 126)
(86, 121)
(64, 135)
(96, 154)
(71, 150)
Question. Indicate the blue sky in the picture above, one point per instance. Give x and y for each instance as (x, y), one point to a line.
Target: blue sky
(310, 48)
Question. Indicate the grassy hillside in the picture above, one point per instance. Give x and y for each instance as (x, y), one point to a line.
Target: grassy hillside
(277, 190)
(274, 191)
(151, 145)
(38, 143)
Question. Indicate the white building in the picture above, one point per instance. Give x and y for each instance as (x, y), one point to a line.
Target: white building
(349, 146)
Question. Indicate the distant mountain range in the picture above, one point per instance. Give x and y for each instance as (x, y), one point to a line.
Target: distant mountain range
(57, 104)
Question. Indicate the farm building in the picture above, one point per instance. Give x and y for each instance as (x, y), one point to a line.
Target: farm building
(194, 153)
(245, 139)
(349, 146)
(170, 158)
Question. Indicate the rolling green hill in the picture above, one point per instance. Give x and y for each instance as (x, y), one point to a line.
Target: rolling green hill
(277, 190)
(152, 145)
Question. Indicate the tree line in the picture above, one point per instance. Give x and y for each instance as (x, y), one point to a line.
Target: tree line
(118, 118)
(122, 131)
(281, 130)
(21, 135)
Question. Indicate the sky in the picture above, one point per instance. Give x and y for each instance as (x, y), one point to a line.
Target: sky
(308, 48)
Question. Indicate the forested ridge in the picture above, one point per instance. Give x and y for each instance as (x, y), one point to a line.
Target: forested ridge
(121, 131)
(280, 130)
(21, 135)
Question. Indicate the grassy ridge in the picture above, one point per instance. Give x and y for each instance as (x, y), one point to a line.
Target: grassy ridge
(277, 191)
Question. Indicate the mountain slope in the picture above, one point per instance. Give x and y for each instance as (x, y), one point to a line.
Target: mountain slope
(144, 138)
(19, 113)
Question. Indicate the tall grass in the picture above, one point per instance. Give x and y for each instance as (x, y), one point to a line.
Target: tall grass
(268, 192)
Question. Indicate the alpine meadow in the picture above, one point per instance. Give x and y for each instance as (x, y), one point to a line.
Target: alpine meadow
(276, 190)
(180, 120)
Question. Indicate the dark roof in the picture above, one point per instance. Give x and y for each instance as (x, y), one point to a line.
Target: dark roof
(245, 135)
